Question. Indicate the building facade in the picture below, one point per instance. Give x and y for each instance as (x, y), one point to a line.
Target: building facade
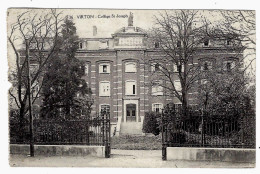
(119, 72)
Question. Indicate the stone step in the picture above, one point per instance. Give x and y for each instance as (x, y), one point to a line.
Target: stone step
(132, 128)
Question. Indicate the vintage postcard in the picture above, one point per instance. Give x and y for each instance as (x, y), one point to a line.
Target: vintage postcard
(131, 88)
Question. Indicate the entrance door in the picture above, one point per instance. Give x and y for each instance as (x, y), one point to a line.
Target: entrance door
(131, 112)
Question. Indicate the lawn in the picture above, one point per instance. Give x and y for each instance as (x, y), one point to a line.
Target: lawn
(128, 142)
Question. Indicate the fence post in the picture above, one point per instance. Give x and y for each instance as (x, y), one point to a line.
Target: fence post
(202, 128)
(107, 137)
(164, 145)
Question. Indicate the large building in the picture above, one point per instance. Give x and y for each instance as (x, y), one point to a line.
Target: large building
(118, 70)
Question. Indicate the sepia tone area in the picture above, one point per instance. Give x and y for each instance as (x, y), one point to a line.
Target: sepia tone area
(131, 88)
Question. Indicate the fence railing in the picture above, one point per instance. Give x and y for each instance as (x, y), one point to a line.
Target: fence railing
(90, 131)
(233, 130)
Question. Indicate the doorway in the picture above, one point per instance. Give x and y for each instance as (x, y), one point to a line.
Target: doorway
(130, 112)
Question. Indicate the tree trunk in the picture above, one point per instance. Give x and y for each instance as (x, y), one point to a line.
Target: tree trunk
(21, 123)
(184, 103)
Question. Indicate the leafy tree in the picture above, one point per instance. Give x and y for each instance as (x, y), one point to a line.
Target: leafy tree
(66, 94)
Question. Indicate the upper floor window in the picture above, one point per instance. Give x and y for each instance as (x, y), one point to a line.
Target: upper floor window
(157, 107)
(178, 43)
(178, 68)
(228, 42)
(155, 67)
(157, 88)
(156, 44)
(177, 85)
(229, 65)
(103, 44)
(130, 87)
(130, 67)
(206, 65)
(104, 88)
(104, 68)
(34, 68)
(86, 69)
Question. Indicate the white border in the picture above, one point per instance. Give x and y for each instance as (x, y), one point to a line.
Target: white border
(133, 4)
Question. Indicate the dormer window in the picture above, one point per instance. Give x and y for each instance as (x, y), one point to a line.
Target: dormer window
(228, 42)
(80, 45)
(206, 42)
(156, 44)
(157, 67)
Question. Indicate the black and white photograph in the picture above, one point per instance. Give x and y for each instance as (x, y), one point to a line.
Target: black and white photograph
(131, 88)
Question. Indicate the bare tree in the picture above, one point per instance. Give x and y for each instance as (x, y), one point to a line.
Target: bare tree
(179, 35)
(242, 23)
(38, 32)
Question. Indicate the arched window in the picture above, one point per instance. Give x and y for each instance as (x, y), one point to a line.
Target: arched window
(104, 68)
(130, 67)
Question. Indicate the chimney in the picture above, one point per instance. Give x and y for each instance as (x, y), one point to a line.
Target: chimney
(94, 30)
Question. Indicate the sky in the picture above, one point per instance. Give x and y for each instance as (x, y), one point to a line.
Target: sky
(107, 21)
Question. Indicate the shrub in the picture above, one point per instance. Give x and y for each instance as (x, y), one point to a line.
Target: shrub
(177, 137)
(151, 123)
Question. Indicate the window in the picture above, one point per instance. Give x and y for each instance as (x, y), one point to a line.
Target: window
(178, 107)
(155, 67)
(177, 85)
(228, 42)
(80, 45)
(34, 68)
(177, 68)
(86, 69)
(157, 107)
(103, 44)
(104, 88)
(35, 88)
(206, 42)
(206, 65)
(156, 44)
(130, 88)
(130, 67)
(104, 68)
(178, 44)
(104, 108)
(157, 88)
(229, 65)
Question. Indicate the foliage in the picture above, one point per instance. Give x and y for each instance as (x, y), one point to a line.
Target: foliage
(225, 91)
(65, 92)
(150, 123)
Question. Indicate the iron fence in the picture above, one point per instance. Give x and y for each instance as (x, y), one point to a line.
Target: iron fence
(210, 130)
(90, 131)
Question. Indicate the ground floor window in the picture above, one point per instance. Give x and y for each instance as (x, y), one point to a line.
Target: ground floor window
(104, 107)
(157, 107)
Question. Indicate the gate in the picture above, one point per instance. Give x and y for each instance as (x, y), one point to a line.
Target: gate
(204, 129)
(89, 131)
